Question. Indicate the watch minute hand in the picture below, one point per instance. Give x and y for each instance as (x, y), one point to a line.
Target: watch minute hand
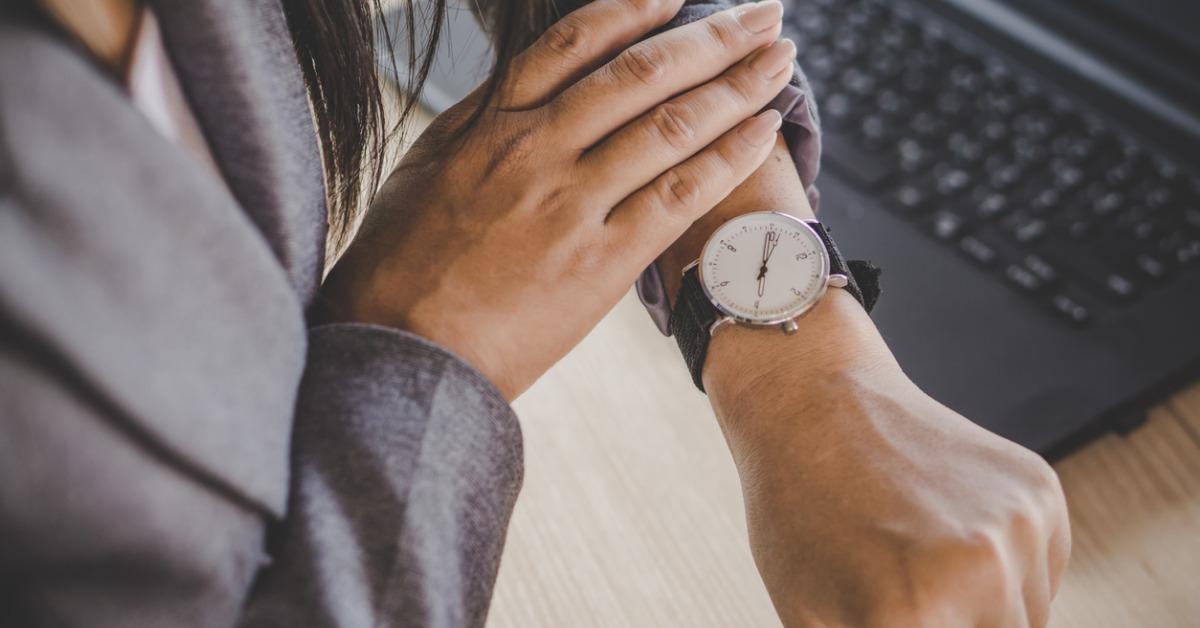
(773, 240)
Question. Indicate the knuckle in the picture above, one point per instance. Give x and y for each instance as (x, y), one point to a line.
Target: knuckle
(723, 30)
(985, 549)
(511, 151)
(1042, 484)
(681, 188)
(556, 200)
(673, 123)
(741, 87)
(642, 63)
(655, 9)
(725, 159)
(567, 38)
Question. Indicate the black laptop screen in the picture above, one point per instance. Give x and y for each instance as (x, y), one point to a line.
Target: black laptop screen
(1175, 21)
(1154, 40)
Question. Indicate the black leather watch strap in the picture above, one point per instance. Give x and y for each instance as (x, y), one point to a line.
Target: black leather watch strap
(862, 277)
(691, 321)
(694, 315)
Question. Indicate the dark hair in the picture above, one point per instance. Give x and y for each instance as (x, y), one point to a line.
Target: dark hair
(338, 43)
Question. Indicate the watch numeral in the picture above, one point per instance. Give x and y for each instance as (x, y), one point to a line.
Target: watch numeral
(796, 292)
(723, 284)
(802, 256)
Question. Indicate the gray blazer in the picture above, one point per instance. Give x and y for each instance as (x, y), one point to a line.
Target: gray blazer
(176, 446)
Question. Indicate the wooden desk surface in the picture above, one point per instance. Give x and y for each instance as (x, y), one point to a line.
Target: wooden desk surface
(631, 513)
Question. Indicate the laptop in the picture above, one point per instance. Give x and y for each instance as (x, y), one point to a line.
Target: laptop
(1027, 173)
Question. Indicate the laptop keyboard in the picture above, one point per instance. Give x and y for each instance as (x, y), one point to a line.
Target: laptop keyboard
(1048, 199)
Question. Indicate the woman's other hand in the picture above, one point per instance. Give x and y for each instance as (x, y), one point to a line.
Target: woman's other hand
(869, 503)
(509, 244)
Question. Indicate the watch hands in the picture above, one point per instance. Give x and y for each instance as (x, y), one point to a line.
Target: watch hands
(769, 243)
(772, 240)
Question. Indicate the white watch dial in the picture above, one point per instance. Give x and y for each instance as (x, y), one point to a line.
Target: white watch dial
(764, 268)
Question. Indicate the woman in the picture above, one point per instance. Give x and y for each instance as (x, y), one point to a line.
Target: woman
(182, 447)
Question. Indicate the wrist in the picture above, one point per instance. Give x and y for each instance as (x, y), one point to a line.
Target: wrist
(757, 378)
(774, 186)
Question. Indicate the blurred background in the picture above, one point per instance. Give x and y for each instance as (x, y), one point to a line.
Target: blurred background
(1026, 173)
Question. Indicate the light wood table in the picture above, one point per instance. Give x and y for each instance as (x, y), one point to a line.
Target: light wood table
(631, 512)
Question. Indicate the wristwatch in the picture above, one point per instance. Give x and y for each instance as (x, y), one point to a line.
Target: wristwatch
(763, 269)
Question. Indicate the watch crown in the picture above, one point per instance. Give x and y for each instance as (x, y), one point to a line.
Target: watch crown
(790, 327)
(838, 281)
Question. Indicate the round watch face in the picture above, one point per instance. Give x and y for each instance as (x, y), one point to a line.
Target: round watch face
(764, 268)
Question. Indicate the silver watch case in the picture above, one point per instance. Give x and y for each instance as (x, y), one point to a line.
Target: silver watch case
(788, 322)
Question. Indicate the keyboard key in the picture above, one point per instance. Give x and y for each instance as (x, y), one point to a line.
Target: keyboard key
(1040, 267)
(965, 149)
(1151, 266)
(992, 206)
(910, 199)
(1029, 231)
(876, 131)
(946, 225)
(1046, 201)
(994, 132)
(1158, 197)
(838, 110)
(978, 250)
(914, 157)
(1022, 278)
(1188, 253)
(952, 182)
(1143, 230)
(1108, 203)
(1191, 218)
(1120, 287)
(858, 82)
(1068, 178)
(1071, 310)
(1006, 177)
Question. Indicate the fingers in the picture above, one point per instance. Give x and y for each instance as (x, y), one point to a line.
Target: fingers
(578, 44)
(649, 221)
(659, 68)
(680, 128)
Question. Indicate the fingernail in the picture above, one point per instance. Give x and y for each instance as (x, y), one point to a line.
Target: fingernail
(761, 16)
(775, 59)
(762, 128)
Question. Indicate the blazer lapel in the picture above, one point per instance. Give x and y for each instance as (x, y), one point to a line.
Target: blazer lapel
(237, 65)
(124, 259)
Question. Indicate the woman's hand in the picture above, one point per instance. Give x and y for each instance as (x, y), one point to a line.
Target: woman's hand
(869, 503)
(598, 152)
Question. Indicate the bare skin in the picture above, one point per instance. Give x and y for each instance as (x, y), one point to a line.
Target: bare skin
(579, 175)
(868, 503)
(105, 27)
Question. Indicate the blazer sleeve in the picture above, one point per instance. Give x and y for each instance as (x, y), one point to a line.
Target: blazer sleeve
(406, 464)
(406, 467)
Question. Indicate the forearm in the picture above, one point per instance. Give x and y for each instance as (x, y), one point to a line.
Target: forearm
(869, 503)
(756, 372)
